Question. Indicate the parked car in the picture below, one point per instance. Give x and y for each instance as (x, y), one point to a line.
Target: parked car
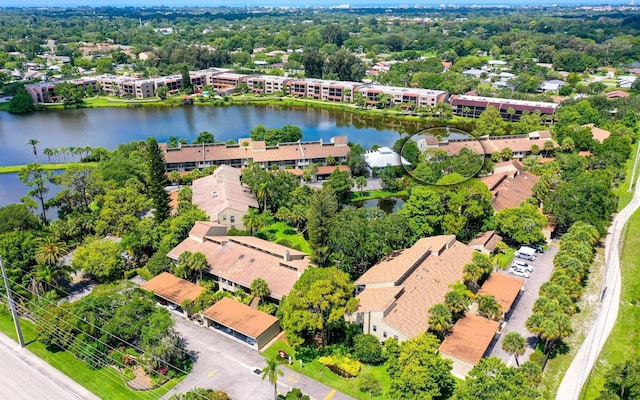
(526, 253)
(522, 265)
(539, 248)
(519, 272)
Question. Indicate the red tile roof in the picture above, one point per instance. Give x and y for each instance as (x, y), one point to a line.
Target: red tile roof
(470, 338)
(240, 318)
(504, 288)
(172, 288)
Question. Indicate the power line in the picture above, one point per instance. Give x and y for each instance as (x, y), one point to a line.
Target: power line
(53, 331)
(137, 348)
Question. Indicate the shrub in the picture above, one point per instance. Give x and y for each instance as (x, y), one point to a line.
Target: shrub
(128, 374)
(268, 308)
(306, 353)
(341, 365)
(368, 349)
(130, 273)
(537, 356)
(285, 242)
(367, 383)
(145, 274)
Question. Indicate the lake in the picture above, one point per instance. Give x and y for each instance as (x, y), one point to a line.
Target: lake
(108, 127)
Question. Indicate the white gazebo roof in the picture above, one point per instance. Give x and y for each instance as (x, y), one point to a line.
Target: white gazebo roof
(383, 157)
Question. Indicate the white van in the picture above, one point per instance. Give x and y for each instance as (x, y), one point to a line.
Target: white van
(526, 253)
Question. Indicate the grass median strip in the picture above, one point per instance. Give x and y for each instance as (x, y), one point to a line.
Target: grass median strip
(14, 169)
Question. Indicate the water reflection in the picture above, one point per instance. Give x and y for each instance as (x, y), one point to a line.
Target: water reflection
(386, 204)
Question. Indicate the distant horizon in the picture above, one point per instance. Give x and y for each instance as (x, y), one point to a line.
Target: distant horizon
(293, 3)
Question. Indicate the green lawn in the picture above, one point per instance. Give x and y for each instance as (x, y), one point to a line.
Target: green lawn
(282, 231)
(503, 259)
(624, 341)
(624, 196)
(319, 372)
(375, 194)
(12, 169)
(106, 383)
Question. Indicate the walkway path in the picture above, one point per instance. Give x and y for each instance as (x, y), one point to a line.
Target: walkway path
(587, 355)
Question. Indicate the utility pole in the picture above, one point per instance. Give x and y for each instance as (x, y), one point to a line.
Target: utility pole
(12, 304)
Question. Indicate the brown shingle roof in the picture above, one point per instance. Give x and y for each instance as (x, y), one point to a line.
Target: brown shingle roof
(598, 134)
(172, 288)
(256, 151)
(221, 190)
(240, 318)
(229, 258)
(510, 192)
(377, 299)
(504, 288)
(397, 265)
(427, 286)
(487, 240)
(470, 338)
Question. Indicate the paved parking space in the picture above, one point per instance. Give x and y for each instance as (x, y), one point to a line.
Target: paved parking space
(542, 270)
(224, 364)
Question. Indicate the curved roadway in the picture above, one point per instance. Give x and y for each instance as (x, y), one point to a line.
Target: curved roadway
(581, 366)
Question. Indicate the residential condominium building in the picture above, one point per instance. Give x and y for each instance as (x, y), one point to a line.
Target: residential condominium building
(236, 261)
(396, 294)
(268, 84)
(400, 95)
(223, 197)
(473, 106)
(283, 155)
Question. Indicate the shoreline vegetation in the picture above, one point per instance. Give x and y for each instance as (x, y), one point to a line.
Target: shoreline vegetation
(252, 100)
(14, 169)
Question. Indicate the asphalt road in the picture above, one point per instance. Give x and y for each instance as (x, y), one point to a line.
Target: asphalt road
(522, 309)
(25, 376)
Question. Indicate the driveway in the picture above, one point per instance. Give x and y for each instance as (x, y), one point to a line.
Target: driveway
(224, 364)
(522, 309)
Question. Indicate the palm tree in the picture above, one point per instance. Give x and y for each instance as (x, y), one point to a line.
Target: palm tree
(33, 143)
(548, 147)
(488, 306)
(466, 111)
(72, 152)
(457, 302)
(50, 251)
(471, 274)
(48, 152)
(251, 220)
(440, 319)
(271, 372)
(511, 112)
(259, 288)
(198, 263)
(514, 343)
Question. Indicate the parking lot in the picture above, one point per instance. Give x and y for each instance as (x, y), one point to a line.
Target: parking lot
(225, 364)
(542, 270)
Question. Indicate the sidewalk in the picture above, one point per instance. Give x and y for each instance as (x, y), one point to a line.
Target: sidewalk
(47, 371)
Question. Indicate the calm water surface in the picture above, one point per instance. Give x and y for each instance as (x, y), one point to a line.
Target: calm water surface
(108, 127)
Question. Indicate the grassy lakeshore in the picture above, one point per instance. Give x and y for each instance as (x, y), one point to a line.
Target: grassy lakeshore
(249, 100)
(13, 169)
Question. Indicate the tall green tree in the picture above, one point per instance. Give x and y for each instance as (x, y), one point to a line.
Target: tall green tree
(522, 224)
(322, 207)
(320, 297)
(490, 123)
(35, 177)
(260, 288)
(21, 102)
(157, 180)
(419, 372)
(491, 379)
(313, 62)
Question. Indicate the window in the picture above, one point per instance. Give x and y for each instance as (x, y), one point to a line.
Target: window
(233, 219)
(375, 328)
(384, 334)
(395, 337)
(224, 217)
